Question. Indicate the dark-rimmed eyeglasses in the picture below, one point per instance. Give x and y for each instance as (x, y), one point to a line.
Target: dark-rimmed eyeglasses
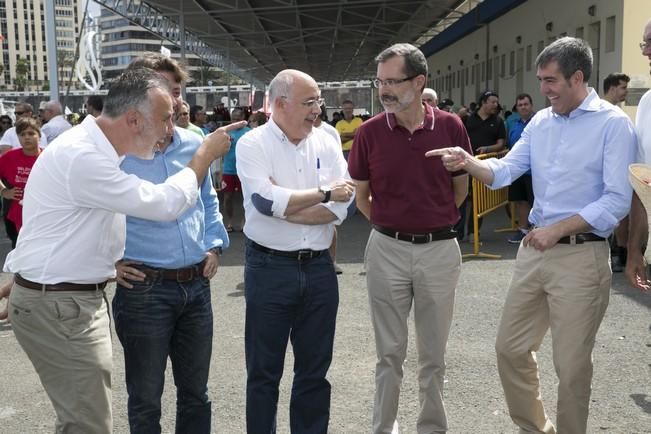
(644, 45)
(391, 81)
(19, 113)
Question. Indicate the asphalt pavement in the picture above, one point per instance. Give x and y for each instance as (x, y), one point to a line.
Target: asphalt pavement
(621, 398)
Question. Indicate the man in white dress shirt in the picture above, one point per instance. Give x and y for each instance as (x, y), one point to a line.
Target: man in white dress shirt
(9, 139)
(73, 233)
(56, 122)
(296, 188)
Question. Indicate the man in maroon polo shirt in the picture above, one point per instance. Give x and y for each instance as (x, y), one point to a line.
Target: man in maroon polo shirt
(412, 251)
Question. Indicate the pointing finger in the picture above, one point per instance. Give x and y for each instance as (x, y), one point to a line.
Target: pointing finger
(232, 127)
(438, 152)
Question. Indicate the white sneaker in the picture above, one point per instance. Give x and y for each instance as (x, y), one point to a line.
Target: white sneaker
(395, 429)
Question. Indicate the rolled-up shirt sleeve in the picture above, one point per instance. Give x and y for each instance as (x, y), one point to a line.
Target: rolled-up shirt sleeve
(340, 171)
(620, 150)
(255, 171)
(96, 183)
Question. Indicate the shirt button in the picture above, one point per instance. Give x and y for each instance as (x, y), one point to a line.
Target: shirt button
(300, 170)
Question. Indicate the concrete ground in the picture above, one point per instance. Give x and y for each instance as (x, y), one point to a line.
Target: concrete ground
(621, 398)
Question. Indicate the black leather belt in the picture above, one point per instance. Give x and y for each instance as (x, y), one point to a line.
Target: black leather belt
(442, 234)
(299, 255)
(181, 275)
(580, 238)
(63, 286)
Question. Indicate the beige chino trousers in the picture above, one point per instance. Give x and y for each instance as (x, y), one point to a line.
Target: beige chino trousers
(66, 335)
(565, 289)
(397, 274)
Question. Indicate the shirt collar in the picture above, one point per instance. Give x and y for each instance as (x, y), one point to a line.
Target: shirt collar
(103, 144)
(590, 103)
(279, 134)
(428, 121)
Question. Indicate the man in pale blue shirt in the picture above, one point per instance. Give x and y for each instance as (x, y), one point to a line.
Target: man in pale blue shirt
(578, 151)
(162, 305)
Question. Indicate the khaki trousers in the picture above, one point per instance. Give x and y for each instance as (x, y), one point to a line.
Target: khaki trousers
(565, 288)
(67, 337)
(398, 272)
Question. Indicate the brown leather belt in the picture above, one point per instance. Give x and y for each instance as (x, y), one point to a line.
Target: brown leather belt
(442, 234)
(580, 238)
(180, 275)
(64, 286)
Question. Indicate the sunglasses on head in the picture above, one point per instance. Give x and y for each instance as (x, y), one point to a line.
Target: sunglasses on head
(19, 113)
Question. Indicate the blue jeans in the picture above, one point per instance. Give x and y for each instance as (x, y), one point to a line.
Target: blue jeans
(157, 319)
(289, 299)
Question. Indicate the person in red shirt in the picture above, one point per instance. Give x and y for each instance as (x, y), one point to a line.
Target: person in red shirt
(15, 166)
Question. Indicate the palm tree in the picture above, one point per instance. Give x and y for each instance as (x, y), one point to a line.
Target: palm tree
(22, 69)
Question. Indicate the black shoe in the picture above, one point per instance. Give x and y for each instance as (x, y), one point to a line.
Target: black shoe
(616, 264)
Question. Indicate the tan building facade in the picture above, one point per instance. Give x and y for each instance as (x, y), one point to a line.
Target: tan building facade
(500, 55)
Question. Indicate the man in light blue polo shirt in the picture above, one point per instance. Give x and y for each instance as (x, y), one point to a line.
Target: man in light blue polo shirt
(578, 151)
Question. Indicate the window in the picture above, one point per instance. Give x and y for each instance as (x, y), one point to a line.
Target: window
(512, 63)
(579, 32)
(529, 57)
(610, 34)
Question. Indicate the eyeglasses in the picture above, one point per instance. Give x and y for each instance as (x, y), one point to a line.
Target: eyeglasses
(644, 45)
(19, 113)
(391, 82)
(311, 103)
(184, 114)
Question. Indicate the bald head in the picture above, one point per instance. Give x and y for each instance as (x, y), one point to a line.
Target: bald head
(295, 99)
(282, 84)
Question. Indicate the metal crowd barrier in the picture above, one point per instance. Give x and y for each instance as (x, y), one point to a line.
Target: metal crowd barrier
(485, 201)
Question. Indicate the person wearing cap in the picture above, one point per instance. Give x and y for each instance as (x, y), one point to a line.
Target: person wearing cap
(429, 97)
(9, 139)
(296, 189)
(636, 268)
(578, 150)
(412, 255)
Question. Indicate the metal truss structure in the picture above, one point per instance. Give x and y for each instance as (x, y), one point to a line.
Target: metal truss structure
(333, 40)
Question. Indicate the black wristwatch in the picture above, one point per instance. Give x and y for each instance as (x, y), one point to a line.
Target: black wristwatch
(326, 193)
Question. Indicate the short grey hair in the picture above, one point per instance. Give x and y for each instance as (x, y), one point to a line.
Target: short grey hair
(430, 92)
(571, 54)
(131, 90)
(281, 85)
(54, 106)
(415, 62)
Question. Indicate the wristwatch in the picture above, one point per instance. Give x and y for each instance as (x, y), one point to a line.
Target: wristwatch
(216, 250)
(326, 193)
